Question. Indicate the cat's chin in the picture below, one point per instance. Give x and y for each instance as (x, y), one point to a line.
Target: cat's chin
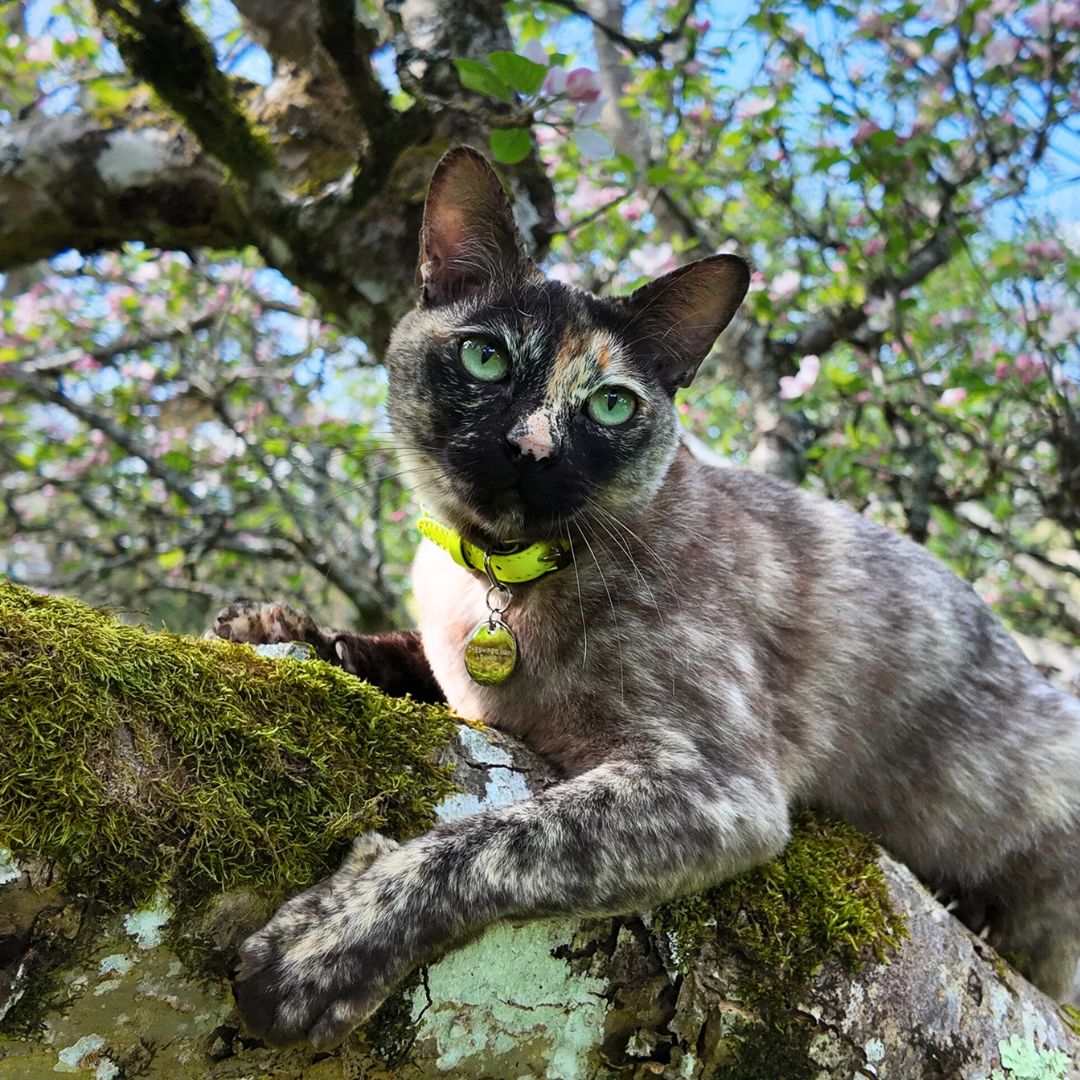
(493, 529)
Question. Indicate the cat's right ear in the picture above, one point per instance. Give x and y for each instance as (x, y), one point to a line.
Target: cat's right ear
(677, 317)
(469, 238)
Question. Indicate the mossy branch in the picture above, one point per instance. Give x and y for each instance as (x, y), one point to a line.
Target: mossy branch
(136, 760)
(164, 48)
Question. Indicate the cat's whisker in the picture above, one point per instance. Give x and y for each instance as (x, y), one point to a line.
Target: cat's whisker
(372, 481)
(577, 582)
(649, 550)
(614, 617)
(624, 546)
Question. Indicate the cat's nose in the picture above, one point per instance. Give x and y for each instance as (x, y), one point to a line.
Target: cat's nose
(534, 436)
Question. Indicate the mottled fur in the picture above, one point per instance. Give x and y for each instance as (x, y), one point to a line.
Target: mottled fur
(725, 647)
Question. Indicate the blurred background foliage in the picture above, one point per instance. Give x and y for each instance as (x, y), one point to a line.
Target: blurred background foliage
(182, 423)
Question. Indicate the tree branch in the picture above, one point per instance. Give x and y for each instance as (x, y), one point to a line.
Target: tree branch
(163, 47)
(43, 391)
(70, 181)
(106, 354)
(637, 46)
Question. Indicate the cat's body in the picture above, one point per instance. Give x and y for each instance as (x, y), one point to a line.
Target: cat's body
(721, 648)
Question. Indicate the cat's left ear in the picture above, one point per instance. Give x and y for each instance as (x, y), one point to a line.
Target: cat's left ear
(469, 238)
(677, 317)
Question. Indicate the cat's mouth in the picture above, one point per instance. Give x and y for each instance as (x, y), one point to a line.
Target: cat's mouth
(493, 510)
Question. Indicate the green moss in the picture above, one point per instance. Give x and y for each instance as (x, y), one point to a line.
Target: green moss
(1070, 1015)
(164, 48)
(134, 760)
(825, 898)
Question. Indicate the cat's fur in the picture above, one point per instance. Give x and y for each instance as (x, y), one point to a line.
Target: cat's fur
(724, 647)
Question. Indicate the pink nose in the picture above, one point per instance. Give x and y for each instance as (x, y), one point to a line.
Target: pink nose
(532, 435)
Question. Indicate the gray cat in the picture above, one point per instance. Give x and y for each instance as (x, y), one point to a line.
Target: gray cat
(698, 648)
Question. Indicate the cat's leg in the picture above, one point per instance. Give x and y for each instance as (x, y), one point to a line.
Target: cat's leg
(395, 662)
(615, 838)
(1035, 914)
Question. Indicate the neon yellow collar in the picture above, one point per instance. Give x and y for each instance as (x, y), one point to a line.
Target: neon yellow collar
(510, 565)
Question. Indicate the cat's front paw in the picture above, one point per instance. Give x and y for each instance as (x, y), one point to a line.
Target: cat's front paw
(260, 623)
(322, 965)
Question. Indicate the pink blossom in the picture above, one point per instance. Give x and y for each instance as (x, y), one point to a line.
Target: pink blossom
(864, 397)
(700, 25)
(692, 68)
(874, 246)
(1064, 326)
(588, 112)
(25, 311)
(747, 110)
(41, 52)
(583, 84)
(592, 145)
(1039, 17)
(555, 82)
(85, 363)
(651, 259)
(1029, 367)
(865, 130)
(782, 69)
(794, 386)
(952, 397)
(1066, 13)
(879, 312)
(1001, 372)
(567, 273)
(1046, 250)
(785, 285)
(633, 208)
(535, 52)
(1001, 52)
(145, 272)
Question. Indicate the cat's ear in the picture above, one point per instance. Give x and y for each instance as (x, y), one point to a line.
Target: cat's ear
(677, 317)
(469, 237)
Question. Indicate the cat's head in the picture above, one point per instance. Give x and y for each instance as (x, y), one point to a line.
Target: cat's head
(520, 403)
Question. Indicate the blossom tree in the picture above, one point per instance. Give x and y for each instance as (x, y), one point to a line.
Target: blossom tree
(191, 404)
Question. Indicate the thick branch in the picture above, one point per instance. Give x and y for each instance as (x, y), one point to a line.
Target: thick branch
(162, 46)
(71, 182)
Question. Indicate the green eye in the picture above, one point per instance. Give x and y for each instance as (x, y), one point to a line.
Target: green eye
(611, 406)
(483, 361)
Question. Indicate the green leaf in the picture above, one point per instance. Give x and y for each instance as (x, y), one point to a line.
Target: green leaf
(475, 76)
(521, 73)
(510, 145)
(170, 560)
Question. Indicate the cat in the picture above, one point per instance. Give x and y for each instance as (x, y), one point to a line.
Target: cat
(706, 647)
